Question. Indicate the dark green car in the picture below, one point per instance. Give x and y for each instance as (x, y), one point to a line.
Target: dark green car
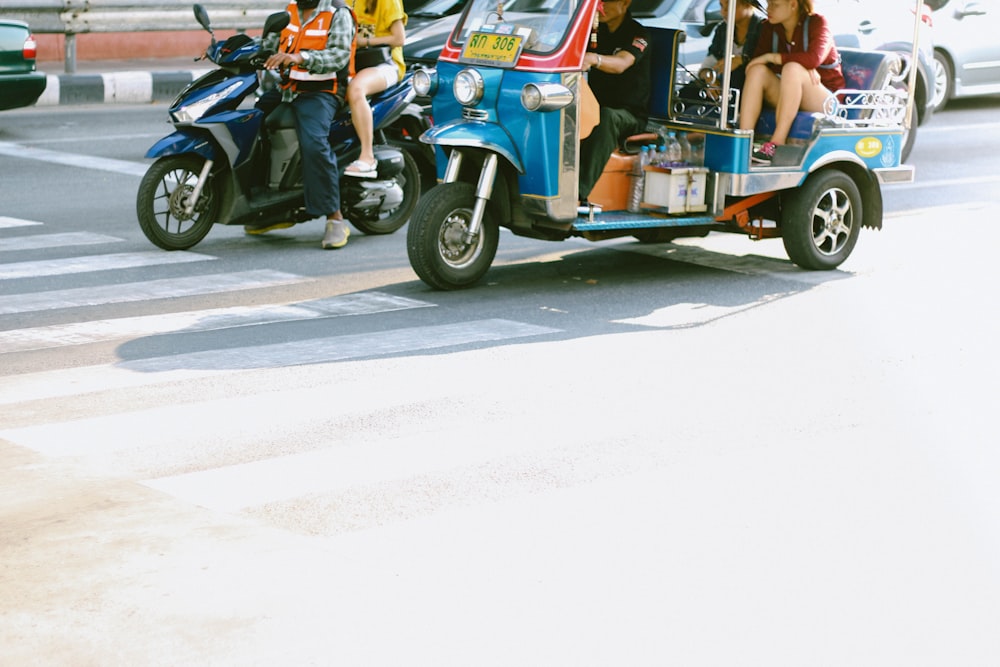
(20, 84)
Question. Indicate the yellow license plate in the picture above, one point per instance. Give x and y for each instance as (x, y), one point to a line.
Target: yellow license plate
(487, 48)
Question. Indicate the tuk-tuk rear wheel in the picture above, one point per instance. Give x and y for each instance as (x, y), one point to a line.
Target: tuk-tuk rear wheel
(436, 240)
(821, 220)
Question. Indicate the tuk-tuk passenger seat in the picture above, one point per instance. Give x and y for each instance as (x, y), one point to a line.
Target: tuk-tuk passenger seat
(864, 71)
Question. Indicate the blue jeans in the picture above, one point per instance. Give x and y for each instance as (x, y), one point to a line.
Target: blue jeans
(314, 114)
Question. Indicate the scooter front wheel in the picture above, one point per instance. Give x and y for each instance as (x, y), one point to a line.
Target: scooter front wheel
(437, 242)
(162, 203)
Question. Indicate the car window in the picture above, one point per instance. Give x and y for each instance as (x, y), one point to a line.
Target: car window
(434, 8)
(695, 13)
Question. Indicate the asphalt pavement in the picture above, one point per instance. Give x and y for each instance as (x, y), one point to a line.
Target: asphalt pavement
(135, 81)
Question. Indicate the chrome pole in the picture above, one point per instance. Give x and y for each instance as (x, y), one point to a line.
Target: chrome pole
(911, 85)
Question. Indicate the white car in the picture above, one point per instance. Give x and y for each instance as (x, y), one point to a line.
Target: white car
(886, 25)
(966, 49)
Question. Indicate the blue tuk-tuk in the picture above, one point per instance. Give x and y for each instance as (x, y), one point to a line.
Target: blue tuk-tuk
(507, 100)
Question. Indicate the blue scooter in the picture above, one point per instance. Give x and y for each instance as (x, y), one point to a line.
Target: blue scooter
(230, 164)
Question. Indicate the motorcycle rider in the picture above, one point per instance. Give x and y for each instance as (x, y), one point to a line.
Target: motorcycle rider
(316, 49)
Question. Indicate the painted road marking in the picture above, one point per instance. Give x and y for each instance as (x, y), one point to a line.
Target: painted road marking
(7, 223)
(44, 385)
(341, 348)
(81, 333)
(147, 290)
(73, 160)
(45, 241)
(88, 264)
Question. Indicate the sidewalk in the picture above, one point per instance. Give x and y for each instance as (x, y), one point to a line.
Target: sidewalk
(134, 81)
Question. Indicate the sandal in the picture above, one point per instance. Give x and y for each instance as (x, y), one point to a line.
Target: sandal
(361, 169)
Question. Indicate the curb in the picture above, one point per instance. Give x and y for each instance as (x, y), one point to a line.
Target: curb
(116, 87)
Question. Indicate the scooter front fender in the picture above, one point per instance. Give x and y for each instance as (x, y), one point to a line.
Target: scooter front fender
(475, 134)
(180, 143)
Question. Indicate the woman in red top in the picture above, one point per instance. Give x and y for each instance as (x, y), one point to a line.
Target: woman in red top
(796, 68)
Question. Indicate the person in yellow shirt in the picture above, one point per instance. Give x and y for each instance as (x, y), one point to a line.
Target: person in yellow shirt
(381, 23)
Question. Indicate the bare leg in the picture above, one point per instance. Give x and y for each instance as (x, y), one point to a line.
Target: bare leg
(800, 90)
(761, 86)
(366, 82)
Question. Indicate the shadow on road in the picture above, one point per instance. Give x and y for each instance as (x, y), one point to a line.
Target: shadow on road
(574, 292)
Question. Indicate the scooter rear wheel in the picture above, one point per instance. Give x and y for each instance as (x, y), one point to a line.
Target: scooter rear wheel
(386, 223)
(436, 238)
(162, 202)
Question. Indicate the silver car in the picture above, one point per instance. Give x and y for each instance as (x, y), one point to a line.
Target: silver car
(966, 49)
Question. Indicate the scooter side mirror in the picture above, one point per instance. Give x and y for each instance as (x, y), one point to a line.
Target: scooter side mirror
(201, 16)
(276, 22)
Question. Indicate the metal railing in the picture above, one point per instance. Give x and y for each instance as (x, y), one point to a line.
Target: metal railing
(74, 17)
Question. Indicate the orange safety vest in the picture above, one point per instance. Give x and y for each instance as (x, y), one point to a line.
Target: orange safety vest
(312, 36)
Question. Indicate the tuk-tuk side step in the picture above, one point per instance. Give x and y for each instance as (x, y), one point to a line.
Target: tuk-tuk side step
(625, 220)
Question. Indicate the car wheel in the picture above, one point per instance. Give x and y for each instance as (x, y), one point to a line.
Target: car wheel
(944, 81)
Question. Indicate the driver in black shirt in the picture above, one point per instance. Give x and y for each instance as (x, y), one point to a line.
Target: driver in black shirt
(619, 77)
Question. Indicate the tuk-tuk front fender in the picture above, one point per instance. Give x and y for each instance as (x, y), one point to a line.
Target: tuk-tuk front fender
(475, 134)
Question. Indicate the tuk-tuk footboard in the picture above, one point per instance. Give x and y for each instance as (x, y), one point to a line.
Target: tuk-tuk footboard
(626, 221)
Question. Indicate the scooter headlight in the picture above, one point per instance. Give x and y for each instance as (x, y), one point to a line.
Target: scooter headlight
(468, 87)
(425, 82)
(545, 96)
(189, 113)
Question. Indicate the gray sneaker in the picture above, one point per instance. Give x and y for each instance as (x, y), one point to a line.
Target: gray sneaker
(336, 234)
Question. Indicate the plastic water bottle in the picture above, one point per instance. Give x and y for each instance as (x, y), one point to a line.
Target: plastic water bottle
(685, 147)
(660, 155)
(672, 152)
(698, 153)
(638, 186)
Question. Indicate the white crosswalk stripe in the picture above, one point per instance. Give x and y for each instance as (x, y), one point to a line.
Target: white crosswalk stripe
(79, 333)
(236, 427)
(161, 288)
(88, 264)
(137, 169)
(8, 223)
(45, 241)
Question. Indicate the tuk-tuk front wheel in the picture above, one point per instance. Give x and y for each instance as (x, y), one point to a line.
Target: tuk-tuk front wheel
(821, 220)
(437, 242)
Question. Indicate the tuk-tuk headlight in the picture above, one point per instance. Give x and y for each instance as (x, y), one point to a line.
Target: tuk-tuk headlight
(468, 87)
(545, 96)
(425, 82)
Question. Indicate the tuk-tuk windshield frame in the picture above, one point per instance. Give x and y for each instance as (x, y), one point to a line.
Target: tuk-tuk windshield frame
(545, 23)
